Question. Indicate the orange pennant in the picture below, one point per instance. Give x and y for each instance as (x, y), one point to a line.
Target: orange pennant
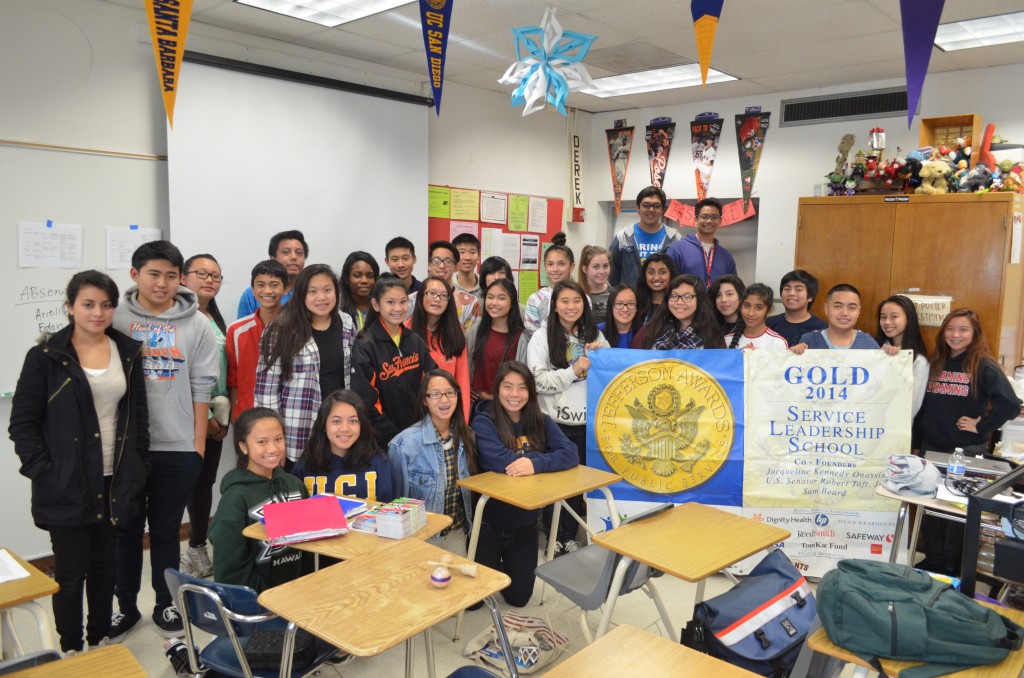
(704, 30)
(168, 27)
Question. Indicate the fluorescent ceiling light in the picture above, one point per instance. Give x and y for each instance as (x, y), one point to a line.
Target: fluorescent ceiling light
(990, 30)
(653, 80)
(329, 13)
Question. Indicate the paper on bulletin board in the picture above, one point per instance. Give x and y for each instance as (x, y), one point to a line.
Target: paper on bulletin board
(493, 207)
(538, 218)
(544, 280)
(465, 204)
(460, 227)
(529, 254)
(49, 245)
(515, 279)
(490, 242)
(518, 207)
(439, 201)
(122, 243)
(527, 285)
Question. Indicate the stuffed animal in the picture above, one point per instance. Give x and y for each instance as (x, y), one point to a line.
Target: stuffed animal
(836, 183)
(909, 174)
(1012, 180)
(851, 186)
(872, 171)
(933, 177)
(978, 178)
(891, 170)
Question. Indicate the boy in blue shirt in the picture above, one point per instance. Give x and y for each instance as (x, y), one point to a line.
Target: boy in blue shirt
(842, 309)
(798, 290)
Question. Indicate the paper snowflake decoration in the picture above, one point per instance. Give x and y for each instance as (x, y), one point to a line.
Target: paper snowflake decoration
(548, 65)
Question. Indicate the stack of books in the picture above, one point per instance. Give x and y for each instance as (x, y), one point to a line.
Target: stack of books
(401, 518)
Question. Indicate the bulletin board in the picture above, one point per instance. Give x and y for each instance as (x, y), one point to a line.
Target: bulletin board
(513, 226)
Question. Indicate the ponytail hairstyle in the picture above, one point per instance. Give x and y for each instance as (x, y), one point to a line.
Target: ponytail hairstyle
(242, 427)
(977, 351)
(611, 329)
(515, 322)
(704, 324)
(644, 296)
(558, 245)
(462, 434)
(586, 256)
(448, 336)
(212, 307)
(316, 453)
(531, 419)
(385, 282)
(585, 329)
(292, 328)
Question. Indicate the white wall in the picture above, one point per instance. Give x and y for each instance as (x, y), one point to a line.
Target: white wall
(75, 73)
(794, 159)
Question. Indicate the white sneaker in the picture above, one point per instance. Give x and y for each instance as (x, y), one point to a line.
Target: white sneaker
(72, 653)
(200, 558)
(185, 565)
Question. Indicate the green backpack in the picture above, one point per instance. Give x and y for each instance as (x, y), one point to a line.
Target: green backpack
(876, 609)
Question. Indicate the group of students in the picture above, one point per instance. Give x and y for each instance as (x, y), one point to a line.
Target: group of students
(379, 385)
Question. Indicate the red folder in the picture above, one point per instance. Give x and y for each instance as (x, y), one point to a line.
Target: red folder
(292, 522)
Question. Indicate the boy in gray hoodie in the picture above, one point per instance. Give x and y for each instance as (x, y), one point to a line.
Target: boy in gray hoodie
(180, 365)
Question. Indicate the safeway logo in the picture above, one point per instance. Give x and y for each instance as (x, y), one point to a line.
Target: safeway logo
(888, 538)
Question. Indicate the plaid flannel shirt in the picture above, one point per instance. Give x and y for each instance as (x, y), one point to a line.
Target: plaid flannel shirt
(298, 399)
(677, 340)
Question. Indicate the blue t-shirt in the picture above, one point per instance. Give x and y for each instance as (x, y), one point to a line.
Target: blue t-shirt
(648, 243)
(374, 482)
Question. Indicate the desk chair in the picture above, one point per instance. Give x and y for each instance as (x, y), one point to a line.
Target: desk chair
(28, 661)
(232, 614)
(585, 576)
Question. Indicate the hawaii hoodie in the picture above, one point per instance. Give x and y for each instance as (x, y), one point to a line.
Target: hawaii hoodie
(180, 363)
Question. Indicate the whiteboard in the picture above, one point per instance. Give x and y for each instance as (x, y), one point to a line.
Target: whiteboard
(250, 156)
(93, 191)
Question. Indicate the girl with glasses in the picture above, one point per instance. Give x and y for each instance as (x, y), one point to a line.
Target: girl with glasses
(436, 321)
(431, 455)
(621, 322)
(684, 321)
(515, 438)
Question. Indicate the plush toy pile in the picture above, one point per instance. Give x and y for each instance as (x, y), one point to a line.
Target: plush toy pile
(927, 170)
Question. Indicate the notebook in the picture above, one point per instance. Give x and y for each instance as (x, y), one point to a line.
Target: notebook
(293, 522)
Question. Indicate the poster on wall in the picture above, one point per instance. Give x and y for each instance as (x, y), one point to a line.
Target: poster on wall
(751, 128)
(796, 441)
(704, 134)
(620, 144)
(659, 144)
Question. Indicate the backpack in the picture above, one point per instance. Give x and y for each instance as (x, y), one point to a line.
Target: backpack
(761, 623)
(875, 609)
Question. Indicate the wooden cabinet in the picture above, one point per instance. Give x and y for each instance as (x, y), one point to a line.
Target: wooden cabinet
(957, 245)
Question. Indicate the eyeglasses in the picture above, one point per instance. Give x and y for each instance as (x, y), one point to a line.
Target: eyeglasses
(624, 305)
(203, 275)
(434, 294)
(708, 217)
(437, 261)
(437, 395)
(650, 205)
(682, 297)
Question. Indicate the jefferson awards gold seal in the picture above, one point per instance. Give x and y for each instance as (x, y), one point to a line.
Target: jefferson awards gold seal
(665, 426)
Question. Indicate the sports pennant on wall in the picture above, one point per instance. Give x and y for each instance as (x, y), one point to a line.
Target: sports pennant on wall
(706, 14)
(620, 143)
(168, 27)
(659, 143)
(435, 17)
(704, 134)
(920, 19)
(750, 130)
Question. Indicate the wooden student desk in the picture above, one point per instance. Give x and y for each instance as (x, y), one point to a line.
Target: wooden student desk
(691, 542)
(369, 605)
(534, 492)
(628, 651)
(23, 593)
(112, 660)
(1013, 665)
(355, 544)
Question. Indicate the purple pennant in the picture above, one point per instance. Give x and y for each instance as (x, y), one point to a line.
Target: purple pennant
(699, 8)
(920, 22)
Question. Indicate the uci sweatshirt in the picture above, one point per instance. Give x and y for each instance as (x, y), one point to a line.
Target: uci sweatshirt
(180, 364)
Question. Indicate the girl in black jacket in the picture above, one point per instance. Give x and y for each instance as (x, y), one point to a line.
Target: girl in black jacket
(80, 426)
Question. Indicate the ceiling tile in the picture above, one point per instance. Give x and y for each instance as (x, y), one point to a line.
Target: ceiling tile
(340, 41)
(255, 21)
(417, 60)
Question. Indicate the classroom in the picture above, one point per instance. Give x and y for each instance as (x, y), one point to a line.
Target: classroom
(84, 137)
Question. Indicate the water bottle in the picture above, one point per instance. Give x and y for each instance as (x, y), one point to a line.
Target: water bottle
(957, 466)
